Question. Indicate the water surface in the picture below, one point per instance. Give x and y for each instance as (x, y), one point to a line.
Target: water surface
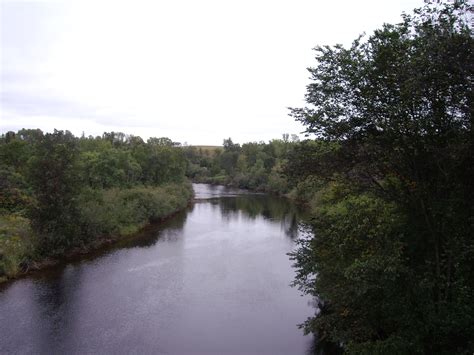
(212, 280)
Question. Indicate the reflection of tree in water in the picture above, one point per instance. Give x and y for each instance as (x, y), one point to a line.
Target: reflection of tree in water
(269, 207)
(150, 234)
(290, 224)
(56, 312)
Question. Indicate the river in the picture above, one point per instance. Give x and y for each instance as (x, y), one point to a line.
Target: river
(214, 279)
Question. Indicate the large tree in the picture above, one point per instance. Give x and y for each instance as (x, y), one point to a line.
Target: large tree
(396, 109)
(54, 177)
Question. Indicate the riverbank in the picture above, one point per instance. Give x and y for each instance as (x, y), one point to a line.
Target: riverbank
(300, 195)
(106, 216)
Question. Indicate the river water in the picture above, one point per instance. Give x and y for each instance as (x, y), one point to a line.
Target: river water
(214, 279)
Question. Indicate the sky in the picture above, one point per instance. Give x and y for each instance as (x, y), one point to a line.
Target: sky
(194, 71)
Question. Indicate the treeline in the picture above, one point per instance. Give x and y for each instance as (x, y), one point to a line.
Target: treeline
(60, 192)
(257, 166)
(390, 182)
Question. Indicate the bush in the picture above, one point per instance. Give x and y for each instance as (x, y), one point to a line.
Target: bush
(16, 245)
(124, 211)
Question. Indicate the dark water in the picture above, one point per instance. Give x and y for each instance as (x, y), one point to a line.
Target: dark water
(213, 280)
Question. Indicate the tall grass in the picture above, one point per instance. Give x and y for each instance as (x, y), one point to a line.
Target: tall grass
(16, 244)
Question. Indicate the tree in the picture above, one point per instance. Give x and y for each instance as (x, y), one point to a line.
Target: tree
(230, 146)
(398, 109)
(163, 141)
(230, 155)
(54, 178)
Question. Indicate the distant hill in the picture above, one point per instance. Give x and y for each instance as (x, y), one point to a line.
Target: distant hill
(208, 149)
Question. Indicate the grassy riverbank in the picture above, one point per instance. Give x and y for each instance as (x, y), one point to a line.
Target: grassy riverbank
(105, 215)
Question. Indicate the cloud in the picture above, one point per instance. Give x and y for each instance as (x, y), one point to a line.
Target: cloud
(193, 71)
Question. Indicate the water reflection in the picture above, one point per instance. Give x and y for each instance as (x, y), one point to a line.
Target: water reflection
(268, 207)
(55, 302)
(212, 280)
(206, 191)
(168, 231)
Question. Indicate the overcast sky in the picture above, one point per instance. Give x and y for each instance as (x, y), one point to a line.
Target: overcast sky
(194, 71)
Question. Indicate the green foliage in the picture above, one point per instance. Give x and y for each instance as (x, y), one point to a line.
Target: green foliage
(14, 153)
(53, 175)
(15, 194)
(110, 168)
(390, 180)
(125, 211)
(276, 180)
(356, 253)
(16, 245)
(163, 164)
(256, 166)
(76, 190)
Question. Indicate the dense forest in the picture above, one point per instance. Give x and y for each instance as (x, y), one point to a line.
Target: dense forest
(387, 178)
(61, 193)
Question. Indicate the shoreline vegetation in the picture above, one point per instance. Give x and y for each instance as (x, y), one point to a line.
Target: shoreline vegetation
(255, 166)
(17, 242)
(61, 194)
(390, 260)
